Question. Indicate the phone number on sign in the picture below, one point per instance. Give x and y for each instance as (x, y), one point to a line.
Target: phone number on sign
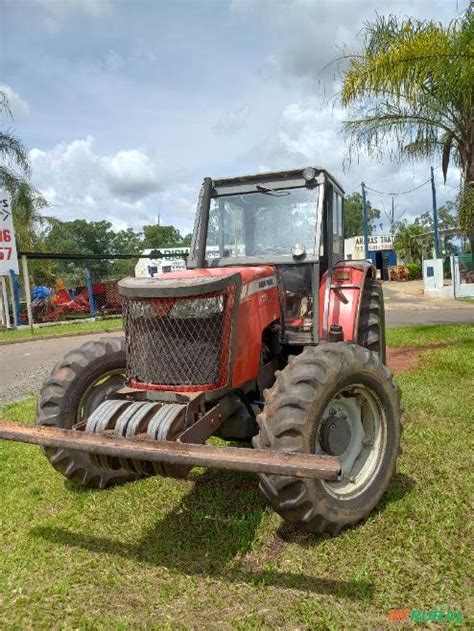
(5, 250)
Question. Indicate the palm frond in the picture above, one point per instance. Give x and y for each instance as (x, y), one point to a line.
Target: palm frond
(411, 90)
(10, 179)
(413, 56)
(447, 147)
(397, 130)
(13, 151)
(5, 105)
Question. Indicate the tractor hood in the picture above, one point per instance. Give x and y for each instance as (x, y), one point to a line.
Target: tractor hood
(192, 282)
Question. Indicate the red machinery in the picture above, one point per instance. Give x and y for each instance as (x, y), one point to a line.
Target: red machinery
(269, 336)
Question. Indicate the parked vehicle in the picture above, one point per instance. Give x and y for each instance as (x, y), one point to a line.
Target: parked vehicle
(268, 336)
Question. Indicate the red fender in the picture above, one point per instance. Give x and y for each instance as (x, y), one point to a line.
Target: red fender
(340, 303)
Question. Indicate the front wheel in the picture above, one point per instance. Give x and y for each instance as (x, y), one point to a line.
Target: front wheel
(86, 377)
(337, 399)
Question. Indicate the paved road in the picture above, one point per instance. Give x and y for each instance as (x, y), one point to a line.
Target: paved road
(23, 367)
(428, 316)
(406, 305)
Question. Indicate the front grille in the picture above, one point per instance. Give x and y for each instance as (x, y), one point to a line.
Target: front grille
(179, 343)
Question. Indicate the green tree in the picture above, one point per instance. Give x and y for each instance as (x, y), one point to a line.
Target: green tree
(27, 205)
(125, 242)
(161, 236)
(408, 242)
(186, 243)
(446, 218)
(80, 237)
(410, 91)
(353, 226)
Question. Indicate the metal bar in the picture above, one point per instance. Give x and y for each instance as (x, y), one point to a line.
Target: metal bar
(365, 222)
(27, 289)
(90, 291)
(204, 428)
(435, 215)
(6, 310)
(156, 253)
(204, 211)
(315, 284)
(15, 296)
(239, 459)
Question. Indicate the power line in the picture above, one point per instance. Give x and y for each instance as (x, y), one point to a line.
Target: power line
(415, 188)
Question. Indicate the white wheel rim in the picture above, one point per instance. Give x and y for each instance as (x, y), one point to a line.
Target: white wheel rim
(363, 457)
(99, 390)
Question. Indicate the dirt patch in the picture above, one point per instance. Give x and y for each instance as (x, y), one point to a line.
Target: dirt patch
(268, 553)
(401, 359)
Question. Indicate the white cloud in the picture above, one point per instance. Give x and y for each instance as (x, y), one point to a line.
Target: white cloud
(18, 106)
(308, 133)
(124, 187)
(248, 97)
(313, 34)
(130, 174)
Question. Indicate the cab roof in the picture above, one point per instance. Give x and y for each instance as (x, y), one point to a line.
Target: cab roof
(273, 176)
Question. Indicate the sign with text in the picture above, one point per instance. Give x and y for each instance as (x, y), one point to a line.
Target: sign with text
(8, 255)
(376, 242)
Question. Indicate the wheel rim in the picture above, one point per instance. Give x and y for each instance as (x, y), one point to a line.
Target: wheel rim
(353, 428)
(99, 390)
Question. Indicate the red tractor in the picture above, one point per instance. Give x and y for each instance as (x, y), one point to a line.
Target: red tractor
(268, 336)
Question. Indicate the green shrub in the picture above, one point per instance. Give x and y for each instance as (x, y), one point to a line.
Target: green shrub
(414, 271)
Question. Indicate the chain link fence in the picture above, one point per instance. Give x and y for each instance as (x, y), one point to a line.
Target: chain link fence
(62, 288)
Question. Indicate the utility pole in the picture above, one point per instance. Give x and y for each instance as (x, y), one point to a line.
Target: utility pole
(365, 223)
(392, 216)
(435, 215)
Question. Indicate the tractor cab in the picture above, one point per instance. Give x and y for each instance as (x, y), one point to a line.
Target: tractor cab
(291, 220)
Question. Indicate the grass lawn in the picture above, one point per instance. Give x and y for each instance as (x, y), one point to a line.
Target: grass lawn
(207, 553)
(112, 324)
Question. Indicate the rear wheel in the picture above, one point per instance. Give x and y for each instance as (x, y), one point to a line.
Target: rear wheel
(337, 399)
(371, 332)
(78, 384)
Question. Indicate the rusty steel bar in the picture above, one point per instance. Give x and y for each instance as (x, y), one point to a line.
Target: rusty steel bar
(236, 458)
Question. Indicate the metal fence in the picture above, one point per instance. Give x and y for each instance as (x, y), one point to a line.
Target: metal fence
(60, 288)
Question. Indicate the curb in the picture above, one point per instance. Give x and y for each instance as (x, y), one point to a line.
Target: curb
(39, 338)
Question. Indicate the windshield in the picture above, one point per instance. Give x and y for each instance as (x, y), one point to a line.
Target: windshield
(265, 223)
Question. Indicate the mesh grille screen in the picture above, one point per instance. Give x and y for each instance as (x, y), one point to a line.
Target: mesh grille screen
(180, 342)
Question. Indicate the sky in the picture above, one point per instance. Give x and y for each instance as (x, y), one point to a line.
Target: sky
(126, 105)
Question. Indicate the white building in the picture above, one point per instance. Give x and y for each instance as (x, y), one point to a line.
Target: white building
(173, 262)
(381, 251)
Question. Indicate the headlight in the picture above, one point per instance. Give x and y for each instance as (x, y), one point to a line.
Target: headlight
(298, 250)
(309, 174)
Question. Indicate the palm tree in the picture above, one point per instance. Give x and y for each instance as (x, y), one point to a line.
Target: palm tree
(15, 171)
(411, 92)
(15, 162)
